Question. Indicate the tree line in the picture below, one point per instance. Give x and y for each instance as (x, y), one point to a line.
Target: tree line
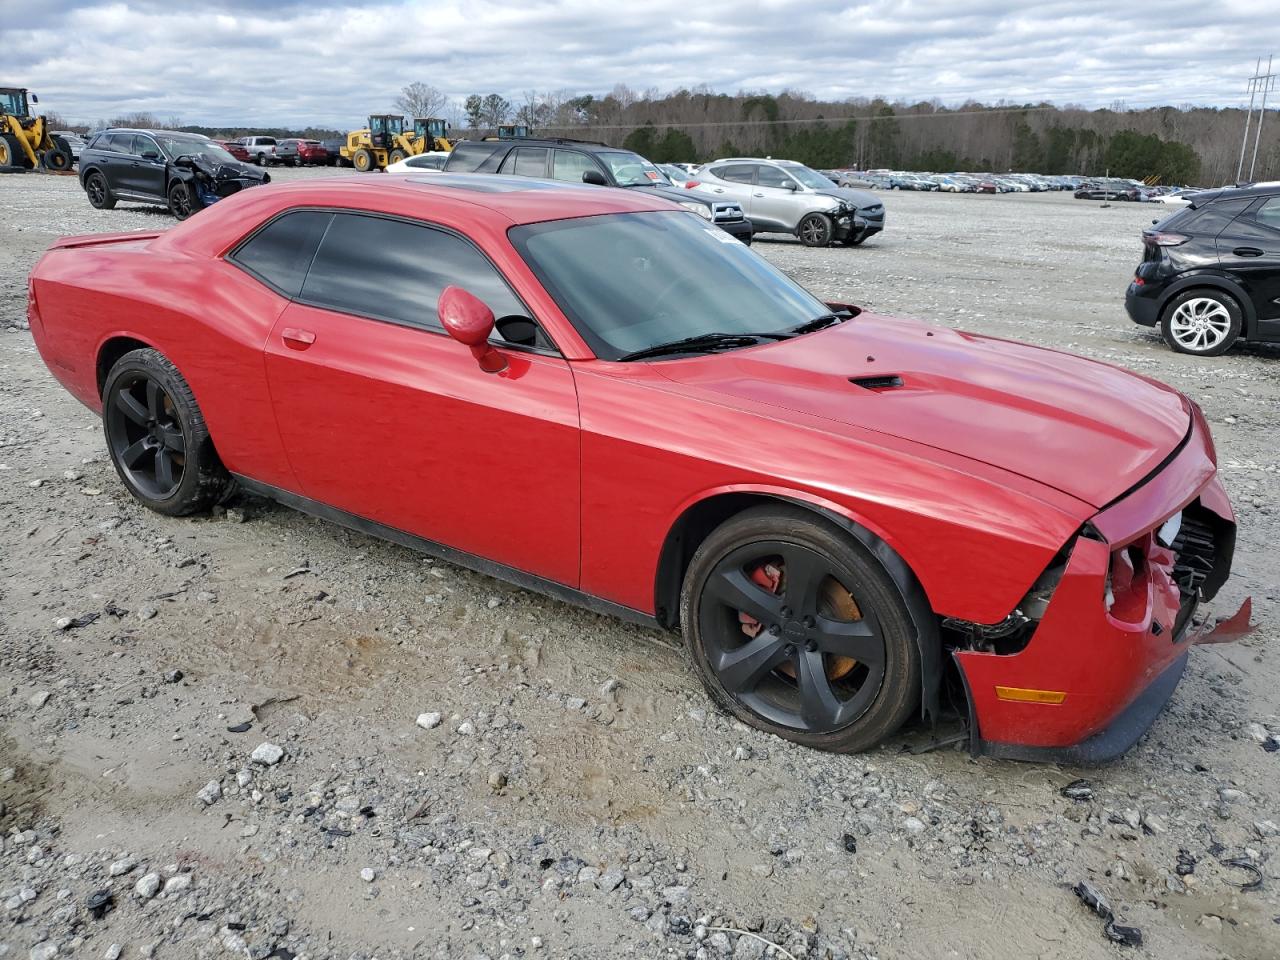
(1171, 144)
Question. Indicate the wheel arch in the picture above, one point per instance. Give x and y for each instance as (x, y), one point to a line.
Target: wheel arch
(698, 519)
(1213, 281)
(111, 350)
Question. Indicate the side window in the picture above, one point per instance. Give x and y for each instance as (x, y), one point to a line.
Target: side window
(771, 176)
(280, 253)
(531, 162)
(143, 145)
(392, 270)
(736, 172)
(120, 142)
(570, 165)
(1269, 213)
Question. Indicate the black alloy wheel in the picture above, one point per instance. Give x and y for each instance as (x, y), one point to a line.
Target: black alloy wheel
(157, 437)
(99, 194)
(181, 202)
(799, 632)
(146, 436)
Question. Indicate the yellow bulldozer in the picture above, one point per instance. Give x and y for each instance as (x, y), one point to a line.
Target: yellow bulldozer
(386, 140)
(25, 142)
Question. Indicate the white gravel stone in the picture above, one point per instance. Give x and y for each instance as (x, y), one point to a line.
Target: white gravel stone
(267, 754)
(148, 886)
(210, 793)
(176, 885)
(429, 721)
(122, 866)
(368, 875)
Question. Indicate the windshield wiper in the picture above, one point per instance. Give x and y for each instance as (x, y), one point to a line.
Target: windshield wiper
(703, 342)
(818, 323)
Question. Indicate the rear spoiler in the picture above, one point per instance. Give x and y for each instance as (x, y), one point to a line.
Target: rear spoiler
(97, 239)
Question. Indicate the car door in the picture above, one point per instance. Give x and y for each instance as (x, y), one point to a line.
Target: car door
(149, 166)
(387, 418)
(112, 154)
(1249, 246)
(775, 202)
(733, 181)
(571, 165)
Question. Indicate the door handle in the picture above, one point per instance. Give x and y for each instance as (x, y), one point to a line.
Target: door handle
(297, 339)
(719, 189)
(757, 194)
(1247, 252)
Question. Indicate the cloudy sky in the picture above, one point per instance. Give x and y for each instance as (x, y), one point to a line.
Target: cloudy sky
(330, 62)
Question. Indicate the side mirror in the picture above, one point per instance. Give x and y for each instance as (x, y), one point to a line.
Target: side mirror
(594, 177)
(150, 155)
(34, 98)
(470, 321)
(792, 186)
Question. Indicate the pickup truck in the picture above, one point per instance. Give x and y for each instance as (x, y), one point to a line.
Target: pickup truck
(261, 150)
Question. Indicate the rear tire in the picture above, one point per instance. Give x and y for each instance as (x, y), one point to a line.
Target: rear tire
(261, 159)
(839, 678)
(99, 194)
(1202, 322)
(396, 156)
(815, 230)
(157, 437)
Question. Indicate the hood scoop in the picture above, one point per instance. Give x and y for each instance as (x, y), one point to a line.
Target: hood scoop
(878, 382)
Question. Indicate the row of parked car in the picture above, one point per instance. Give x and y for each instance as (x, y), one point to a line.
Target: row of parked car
(293, 152)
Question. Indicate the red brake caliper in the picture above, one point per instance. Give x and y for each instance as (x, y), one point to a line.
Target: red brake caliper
(769, 576)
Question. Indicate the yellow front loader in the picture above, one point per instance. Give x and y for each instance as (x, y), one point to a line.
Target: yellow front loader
(25, 143)
(386, 141)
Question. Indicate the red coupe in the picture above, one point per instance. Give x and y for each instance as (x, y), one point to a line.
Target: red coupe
(602, 396)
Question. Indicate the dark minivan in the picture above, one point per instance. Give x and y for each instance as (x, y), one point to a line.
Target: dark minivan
(1211, 272)
(581, 161)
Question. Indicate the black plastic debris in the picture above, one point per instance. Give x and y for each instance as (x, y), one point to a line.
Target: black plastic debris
(1115, 932)
(1243, 863)
(850, 842)
(1186, 862)
(336, 832)
(240, 727)
(280, 953)
(1078, 790)
(1271, 744)
(83, 620)
(173, 676)
(112, 610)
(100, 903)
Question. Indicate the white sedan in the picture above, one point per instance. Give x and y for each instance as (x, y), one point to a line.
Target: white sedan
(431, 160)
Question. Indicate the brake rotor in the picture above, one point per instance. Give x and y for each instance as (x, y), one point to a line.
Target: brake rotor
(835, 603)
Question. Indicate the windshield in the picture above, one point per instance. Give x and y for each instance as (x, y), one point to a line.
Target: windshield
(810, 178)
(633, 281)
(175, 147)
(13, 102)
(632, 170)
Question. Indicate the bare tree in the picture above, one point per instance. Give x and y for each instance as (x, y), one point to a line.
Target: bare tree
(420, 99)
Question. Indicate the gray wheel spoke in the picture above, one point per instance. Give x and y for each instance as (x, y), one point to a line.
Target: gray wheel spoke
(736, 590)
(742, 669)
(819, 704)
(134, 453)
(173, 439)
(859, 639)
(164, 468)
(804, 571)
(131, 407)
(155, 402)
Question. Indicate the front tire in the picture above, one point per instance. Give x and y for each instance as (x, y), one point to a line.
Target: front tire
(157, 437)
(396, 156)
(797, 630)
(815, 230)
(58, 157)
(182, 200)
(1203, 323)
(362, 160)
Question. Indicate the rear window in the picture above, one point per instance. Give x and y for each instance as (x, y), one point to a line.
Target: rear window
(1208, 221)
(281, 252)
(471, 156)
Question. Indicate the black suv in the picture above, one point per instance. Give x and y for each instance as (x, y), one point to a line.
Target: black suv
(1211, 272)
(182, 171)
(580, 161)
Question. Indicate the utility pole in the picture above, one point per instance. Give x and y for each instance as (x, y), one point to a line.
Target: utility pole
(1262, 83)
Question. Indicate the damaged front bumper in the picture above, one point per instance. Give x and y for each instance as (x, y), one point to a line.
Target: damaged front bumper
(1112, 643)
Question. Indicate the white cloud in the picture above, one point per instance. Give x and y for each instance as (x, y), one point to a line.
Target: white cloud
(330, 62)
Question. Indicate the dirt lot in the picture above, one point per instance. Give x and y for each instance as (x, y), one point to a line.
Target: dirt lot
(579, 797)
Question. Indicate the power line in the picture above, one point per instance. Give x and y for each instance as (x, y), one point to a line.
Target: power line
(1262, 83)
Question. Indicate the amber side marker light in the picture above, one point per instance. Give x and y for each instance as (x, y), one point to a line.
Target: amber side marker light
(1027, 695)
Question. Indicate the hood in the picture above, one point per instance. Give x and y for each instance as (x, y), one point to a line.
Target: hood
(1087, 429)
(858, 198)
(669, 192)
(235, 170)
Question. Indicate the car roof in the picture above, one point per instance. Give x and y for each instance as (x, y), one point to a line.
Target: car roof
(1266, 188)
(174, 134)
(589, 146)
(779, 163)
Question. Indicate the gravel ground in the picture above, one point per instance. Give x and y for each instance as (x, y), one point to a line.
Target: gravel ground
(263, 735)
